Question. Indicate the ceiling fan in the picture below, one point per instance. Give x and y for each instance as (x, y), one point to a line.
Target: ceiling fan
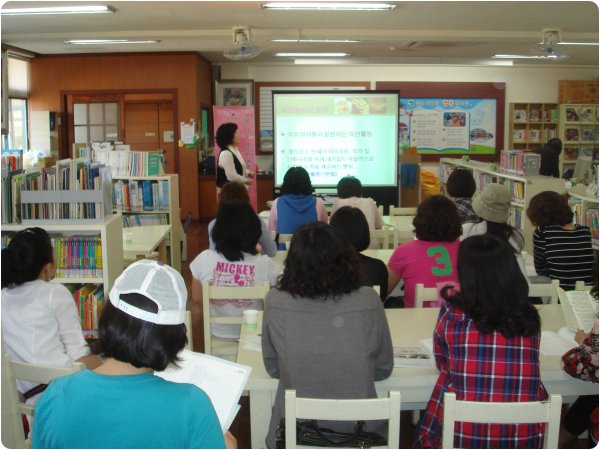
(547, 49)
(243, 49)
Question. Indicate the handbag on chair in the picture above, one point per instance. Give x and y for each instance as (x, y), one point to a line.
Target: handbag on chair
(310, 434)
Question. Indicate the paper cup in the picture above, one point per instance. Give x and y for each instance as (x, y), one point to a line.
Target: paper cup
(250, 318)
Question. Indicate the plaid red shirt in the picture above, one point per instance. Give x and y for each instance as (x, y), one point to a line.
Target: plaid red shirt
(482, 367)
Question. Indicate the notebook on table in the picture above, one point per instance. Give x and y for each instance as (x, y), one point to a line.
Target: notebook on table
(580, 309)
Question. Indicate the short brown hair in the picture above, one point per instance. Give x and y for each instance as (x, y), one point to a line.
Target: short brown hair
(549, 208)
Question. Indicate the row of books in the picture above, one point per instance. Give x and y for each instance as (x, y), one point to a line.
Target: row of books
(126, 163)
(89, 300)
(591, 221)
(535, 115)
(534, 135)
(12, 160)
(483, 179)
(581, 114)
(78, 256)
(140, 220)
(571, 153)
(515, 217)
(518, 162)
(574, 134)
(141, 195)
(517, 191)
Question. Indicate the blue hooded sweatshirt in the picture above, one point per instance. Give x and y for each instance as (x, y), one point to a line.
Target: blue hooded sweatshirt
(295, 210)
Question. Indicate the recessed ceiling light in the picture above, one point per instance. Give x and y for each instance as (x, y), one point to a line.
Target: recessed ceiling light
(525, 57)
(312, 55)
(313, 41)
(95, 9)
(334, 6)
(109, 41)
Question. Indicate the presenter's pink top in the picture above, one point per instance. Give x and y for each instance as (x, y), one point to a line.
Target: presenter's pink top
(425, 262)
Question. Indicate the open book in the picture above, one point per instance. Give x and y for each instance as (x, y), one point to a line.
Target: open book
(222, 380)
(417, 356)
(579, 308)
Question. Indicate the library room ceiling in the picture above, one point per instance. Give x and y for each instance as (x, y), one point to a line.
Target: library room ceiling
(414, 32)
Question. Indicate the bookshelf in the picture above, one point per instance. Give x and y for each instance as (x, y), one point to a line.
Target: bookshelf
(151, 200)
(585, 209)
(522, 188)
(579, 133)
(532, 125)
(110, 236)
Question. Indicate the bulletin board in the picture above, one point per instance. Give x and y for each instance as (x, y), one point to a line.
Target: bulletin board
(451, 119)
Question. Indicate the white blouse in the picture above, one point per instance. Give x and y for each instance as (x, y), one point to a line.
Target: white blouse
(227, 163)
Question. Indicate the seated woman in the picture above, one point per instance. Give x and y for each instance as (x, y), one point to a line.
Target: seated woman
(122, 404)
(349, 191)
(461, 187)
(40, 322)
(486, 345)
(353, 224)
(234, 262)
(324, 335)
(234, 191)
(562, 250)
(297, 205)
(431, 258)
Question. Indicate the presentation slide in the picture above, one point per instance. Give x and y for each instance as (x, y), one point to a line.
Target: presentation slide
(449, 125)
(333, 134)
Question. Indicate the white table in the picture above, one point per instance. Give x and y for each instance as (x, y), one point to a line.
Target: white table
(142, 241)
(407, 326)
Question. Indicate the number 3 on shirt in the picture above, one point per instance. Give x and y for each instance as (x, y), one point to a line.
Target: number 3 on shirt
(442, 258)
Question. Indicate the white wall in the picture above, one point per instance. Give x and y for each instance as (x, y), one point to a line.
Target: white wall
(523, 84)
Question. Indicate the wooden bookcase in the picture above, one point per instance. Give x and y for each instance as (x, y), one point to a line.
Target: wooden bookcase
(532, 125)
(578, 131)
(583, 204)
(522, 188)
(171, 212)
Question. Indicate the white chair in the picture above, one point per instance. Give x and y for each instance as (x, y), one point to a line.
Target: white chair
(406, 211)
(580, 286)
(213, 345)
(386, 237)
(13, 371)
(329, 409)
(510, 413)
(187, 320)
(423, 294)
(547, 290)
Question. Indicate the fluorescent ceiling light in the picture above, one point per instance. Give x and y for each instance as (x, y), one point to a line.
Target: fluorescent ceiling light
(313, 41)
(525, 57)
(578, 43)
(311, 55)
(334, 6)
(96, 9)
(109, 41)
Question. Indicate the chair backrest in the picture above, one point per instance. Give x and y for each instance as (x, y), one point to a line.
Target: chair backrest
(187, 320)
(406, 211)
(212, 345)
(329, 409)
(387, 237)
(36, 373)
(580, 286)
(545, 290)
(423, 294)
(283, 238)
(547, 412)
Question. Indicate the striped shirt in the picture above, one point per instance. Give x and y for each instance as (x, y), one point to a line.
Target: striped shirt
(564, 255)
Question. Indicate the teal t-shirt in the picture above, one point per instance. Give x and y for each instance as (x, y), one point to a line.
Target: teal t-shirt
(89, 410)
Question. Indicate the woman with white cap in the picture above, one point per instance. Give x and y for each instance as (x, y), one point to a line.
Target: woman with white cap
(122, 403)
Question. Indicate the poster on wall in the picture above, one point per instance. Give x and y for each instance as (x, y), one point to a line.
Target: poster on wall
(448, 126)
(243, 117)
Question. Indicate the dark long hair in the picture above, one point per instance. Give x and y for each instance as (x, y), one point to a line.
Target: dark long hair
(353, 224)
(493, 290)
(25, 256)
(296, 181)
(320, 264)
(236, 231)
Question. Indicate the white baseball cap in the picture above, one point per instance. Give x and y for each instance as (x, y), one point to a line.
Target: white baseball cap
(158, 282)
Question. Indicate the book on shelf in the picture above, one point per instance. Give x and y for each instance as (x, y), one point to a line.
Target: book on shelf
(550, 115)
(572, 134)
(591, 221)
(12, 160)
(519, 135)
(89, 300)
(571, 153)
(534, 115)
(78, 256)
(549, 133)
(515, 217)
(126, 163)
(517, 162)
(140, 195)
(572, 114)
(535, 135)
(589, 134)
(586, 114)
(520, 115)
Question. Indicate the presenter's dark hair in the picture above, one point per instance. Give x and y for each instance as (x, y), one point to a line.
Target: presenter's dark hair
(320, 264)
(352, 223)
(136, 341)
(493, 289)
(437, 220)
(461, 184)
(236, 231)
(297, 182)
(25, 256)
(349, 187)
(549, 208)
(225, 135)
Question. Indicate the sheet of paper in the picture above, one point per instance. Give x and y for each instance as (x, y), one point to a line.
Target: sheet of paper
(552, 344)
(222, 380)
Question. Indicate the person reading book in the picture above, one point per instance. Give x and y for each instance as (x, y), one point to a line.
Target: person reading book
(486, 347)
(122, 403)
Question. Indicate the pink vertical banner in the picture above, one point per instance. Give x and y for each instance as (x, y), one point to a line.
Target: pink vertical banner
(243, 117)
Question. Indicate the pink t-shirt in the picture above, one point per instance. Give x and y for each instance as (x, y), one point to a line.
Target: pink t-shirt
(425, 262)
